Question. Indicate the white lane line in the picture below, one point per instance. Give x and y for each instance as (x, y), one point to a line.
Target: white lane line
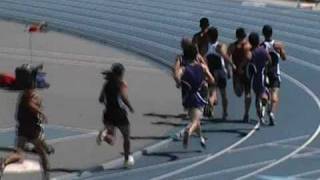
(305, 144)
(268, 143)
(5, 130)
(239, 168)
(305, 174)
(74, 137)
(63, 127)
(285, 146)
(210, 157)
(186, 160)
(230, 170)
(304, 63)
(253, 4)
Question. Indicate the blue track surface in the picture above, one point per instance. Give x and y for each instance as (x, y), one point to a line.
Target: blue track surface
(154, 28)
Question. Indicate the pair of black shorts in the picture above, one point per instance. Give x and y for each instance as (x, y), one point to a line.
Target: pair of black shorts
(274, 82)
(220, 78)
(115, 117)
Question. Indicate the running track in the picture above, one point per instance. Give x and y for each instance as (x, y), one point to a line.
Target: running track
(235, 150)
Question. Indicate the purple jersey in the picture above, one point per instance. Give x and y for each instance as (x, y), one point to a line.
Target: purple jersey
(191, 83)
(259, 59)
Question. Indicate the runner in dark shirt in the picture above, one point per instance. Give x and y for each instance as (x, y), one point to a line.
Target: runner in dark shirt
(240, 52)
(29, 129)
(259, 61)
(200, 39)
(114, 96)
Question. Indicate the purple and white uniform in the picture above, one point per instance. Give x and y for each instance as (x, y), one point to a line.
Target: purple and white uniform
(259, 59)
(191, 83)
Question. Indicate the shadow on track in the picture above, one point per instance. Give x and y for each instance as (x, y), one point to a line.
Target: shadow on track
(169, 123)
(239, 131)
(167, 116)
(170, 154)
(149, 137)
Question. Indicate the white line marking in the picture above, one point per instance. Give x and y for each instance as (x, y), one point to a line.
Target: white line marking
(285, 146)
(268, 143)
(211, 156)
(230, 170)
(305, 173)
(304, 63)
(74, 137)
(5, 130)
(156, 166)
(305, 144)
(63, 127)
(239, 168)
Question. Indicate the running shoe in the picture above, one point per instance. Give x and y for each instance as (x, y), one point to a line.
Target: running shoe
(203, 142)
(50, 149)
(263, 121)
(100, 137)
(185, 139)
(129, 163)
(271, 119)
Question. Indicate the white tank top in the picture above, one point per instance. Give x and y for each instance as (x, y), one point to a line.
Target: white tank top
(269, 45)
(212, 49)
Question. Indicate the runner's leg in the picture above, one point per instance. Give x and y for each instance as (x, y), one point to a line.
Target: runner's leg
(40, 150)
(125, 131)
(247, 101)
(223, 93)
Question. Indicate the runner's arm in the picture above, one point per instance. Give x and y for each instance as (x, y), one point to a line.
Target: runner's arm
(208, 75)
(102, 96)
(280, 48)
(176, 68)
(124, 96)
(201, 59)
(222, 49)
(33, 104)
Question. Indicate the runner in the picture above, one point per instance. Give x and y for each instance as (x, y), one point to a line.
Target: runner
(191, 78)
(218, 62)
(259, 61)
(276, 51)
(200, 39)
(240, 52)
(181, 61)
(115, 97)
(29, 129)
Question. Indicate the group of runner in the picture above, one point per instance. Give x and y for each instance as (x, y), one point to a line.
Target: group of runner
(201, 71)
(206, 64)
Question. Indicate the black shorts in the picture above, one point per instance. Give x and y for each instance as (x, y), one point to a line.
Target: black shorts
(274, 82)
(241, 84)
(221, 79)
(30, 132)
(115, 117)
